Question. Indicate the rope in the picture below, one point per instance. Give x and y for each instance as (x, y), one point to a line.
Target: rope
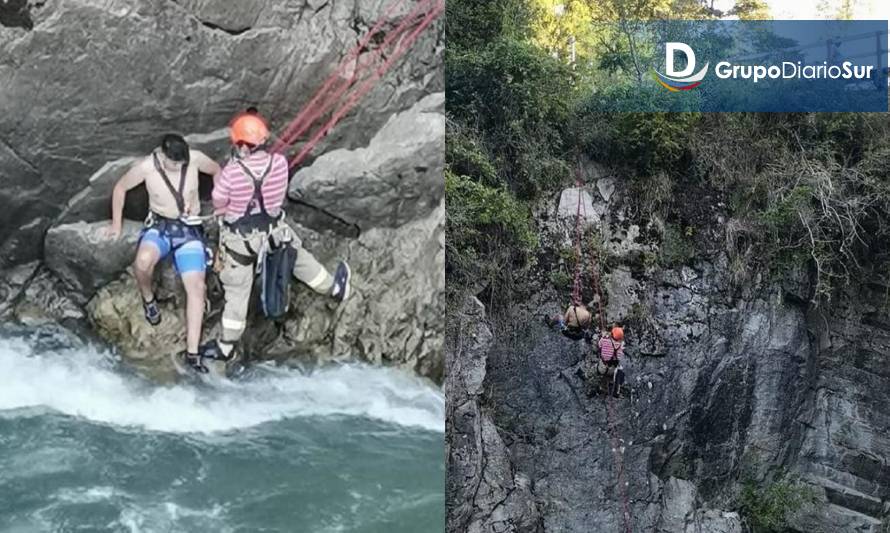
(338, 86)
(313, 109)
(576, 287)
(437, 8)
(618, 461)
(612, 416)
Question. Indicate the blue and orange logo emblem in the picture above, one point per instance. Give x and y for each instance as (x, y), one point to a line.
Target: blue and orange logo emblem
(682, 80)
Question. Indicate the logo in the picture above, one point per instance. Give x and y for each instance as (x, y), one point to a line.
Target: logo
(679, 80)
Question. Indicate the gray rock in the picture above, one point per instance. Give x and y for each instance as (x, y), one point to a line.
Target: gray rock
(568, 208)
(395, 179)
(623, 293)
(714, 521)
(13, 285)
(680, 512)
(85, 259)
(678, 505)
(606, 187)
(485, 493)
(395, 314)
(46, 301)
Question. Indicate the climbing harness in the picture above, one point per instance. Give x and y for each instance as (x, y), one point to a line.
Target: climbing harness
(345, 88)
(261, 221)
(177, 193)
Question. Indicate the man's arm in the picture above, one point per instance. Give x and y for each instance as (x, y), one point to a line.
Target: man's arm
(220, 194)
(206, 165)
(131, 179)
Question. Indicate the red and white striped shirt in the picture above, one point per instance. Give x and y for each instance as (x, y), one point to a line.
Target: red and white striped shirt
(233, 189)
(609, 349)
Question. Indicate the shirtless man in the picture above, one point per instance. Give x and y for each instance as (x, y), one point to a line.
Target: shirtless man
(173, 225)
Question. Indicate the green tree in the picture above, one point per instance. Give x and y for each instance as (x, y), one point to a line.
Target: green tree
(751, 10)
(473, 23)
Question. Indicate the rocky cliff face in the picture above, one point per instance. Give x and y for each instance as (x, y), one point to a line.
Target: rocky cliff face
(87, 86)
(729, 383)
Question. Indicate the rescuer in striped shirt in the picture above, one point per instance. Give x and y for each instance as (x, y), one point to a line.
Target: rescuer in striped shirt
(249, 194)
(611, 346)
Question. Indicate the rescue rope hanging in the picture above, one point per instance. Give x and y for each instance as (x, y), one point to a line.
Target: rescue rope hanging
(313, 108)
(576, 286)
(612, 415)
(401, 47)
(347, 90)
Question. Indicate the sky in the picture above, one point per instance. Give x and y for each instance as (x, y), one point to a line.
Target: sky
(810, 9)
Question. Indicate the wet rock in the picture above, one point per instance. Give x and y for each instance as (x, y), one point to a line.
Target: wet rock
(13, 285)
(117, 314)
(395, 315)
(47, 300)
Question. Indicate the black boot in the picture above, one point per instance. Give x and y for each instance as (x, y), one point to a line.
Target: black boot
(194, 361)
(340, 290)
(217, 351)
(152, 311)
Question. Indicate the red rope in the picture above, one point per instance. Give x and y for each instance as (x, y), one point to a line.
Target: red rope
(438, 6)
(317, 105)
(618, 458)
(340, 89)
(576, 287)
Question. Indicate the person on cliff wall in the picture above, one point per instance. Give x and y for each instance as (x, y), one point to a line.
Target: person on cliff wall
(574, 324)
(249, 194)
(173, 226)
(611, 351)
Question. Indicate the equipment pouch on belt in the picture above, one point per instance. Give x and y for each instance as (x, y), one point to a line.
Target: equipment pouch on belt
(278, 265)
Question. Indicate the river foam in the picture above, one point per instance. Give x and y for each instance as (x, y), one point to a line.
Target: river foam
(86, 383)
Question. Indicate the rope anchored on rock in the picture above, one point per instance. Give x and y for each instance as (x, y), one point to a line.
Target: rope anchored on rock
(357, 74)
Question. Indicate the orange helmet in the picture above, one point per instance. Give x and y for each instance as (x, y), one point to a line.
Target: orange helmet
(618, 333)
(249, 128)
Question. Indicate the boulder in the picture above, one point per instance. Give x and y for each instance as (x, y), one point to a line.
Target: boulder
(117, 315)
(85, 259)
(395, 314)
(47, 300)
(569, 209)
(14, 283)
(395, 179)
